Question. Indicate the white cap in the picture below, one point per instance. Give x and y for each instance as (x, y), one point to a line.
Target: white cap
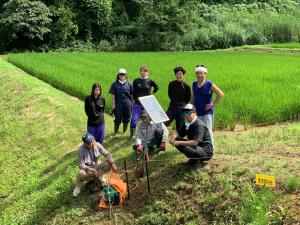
(122, 71)
(201, 69)
(189, 107)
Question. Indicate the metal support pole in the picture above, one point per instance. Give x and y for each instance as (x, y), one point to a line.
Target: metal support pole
(146, 159)
(137, 165)
(127, 182)
(147, 172)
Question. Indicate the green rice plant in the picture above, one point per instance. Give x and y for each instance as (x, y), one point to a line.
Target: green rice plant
(260, 88)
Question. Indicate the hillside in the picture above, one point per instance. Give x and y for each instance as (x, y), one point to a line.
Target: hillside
(41, 129)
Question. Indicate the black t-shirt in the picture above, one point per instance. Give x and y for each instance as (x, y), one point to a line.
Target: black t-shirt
(142, 87)
(179, 94)
(94, 109)
(197, 131)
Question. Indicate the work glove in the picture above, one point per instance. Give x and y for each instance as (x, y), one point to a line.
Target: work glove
(162, 146)
(139, 148)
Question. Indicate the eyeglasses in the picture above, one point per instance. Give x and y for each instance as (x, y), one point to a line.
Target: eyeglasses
(187, 113)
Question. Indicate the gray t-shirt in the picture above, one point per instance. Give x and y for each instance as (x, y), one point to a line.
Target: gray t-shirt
(91, 157)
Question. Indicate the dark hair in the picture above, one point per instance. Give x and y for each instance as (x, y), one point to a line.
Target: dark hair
(96, 85)
(118, 77)
(201, 66)
(145, 68)
(179, 68)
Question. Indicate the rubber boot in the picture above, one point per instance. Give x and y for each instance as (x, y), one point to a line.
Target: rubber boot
(131, 133)
(116, 130)
(125, 126)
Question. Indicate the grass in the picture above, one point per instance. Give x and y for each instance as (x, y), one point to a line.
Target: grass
(286, 45)
(259, 88)
(293, 184)
(275, 46)
(40, 130)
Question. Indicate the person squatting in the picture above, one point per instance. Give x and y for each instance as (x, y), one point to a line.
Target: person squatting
(192, 108)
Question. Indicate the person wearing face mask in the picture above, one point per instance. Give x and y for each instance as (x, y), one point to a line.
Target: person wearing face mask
(179, 93)
(89, 163)
(142, 86)
(202, 97)
(157, 135)
(198, 145)
(94, 106)
(122, 97)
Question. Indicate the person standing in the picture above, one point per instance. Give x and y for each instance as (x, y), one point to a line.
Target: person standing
(202, 97)
(142, 86)
(121, 91)
(180, 94)
(94, 106)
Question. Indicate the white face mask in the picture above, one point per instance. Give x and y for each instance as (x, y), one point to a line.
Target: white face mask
(122, 82)
(189, 123)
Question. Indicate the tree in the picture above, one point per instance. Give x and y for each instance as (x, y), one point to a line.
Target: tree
(92, 17)
(23, 24)
(163, 22)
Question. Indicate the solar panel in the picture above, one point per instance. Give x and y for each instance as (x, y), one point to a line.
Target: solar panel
(154, 109)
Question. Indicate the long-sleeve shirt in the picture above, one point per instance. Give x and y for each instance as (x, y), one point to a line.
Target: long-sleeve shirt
(142, 87)
(142, 131)
(91, 157)
(179, 94)
(94, 109)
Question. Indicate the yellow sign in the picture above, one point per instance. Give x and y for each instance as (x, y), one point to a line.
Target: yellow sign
(265, 180)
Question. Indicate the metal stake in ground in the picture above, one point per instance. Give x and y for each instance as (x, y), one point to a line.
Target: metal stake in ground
(146, 159)
(126, 173)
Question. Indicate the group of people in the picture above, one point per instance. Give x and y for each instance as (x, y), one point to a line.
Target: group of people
(192, 108)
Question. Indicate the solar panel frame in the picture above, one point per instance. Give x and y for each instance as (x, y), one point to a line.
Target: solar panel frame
(154, 109)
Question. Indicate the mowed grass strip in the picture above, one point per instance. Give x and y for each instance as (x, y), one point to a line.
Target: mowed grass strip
(260, 88)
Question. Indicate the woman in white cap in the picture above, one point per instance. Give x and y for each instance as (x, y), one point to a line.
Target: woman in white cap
(202, 97)
(122, 99)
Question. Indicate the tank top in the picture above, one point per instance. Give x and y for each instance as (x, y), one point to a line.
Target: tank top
(202, 97)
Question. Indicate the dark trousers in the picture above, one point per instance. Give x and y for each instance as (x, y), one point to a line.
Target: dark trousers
(195, 152)
(97, 132)
(174, 114)
(122, 113)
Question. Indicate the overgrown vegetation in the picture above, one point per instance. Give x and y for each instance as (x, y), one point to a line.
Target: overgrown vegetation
(256, 93)
(116, 25)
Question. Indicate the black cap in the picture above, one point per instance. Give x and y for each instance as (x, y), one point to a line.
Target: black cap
(88, 138)
(144, 114)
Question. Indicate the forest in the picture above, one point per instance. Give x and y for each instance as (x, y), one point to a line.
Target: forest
(145, 25)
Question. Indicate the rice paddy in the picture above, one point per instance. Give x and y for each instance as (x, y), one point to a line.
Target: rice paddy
(260, 88)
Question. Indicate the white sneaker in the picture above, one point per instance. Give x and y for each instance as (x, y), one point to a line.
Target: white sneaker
(76, 191)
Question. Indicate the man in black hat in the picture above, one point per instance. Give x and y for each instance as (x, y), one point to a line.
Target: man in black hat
(89, 163)
(198, 146)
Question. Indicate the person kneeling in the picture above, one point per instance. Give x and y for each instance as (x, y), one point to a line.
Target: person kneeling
(89, 164)
(157, 135)
(198, 146)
